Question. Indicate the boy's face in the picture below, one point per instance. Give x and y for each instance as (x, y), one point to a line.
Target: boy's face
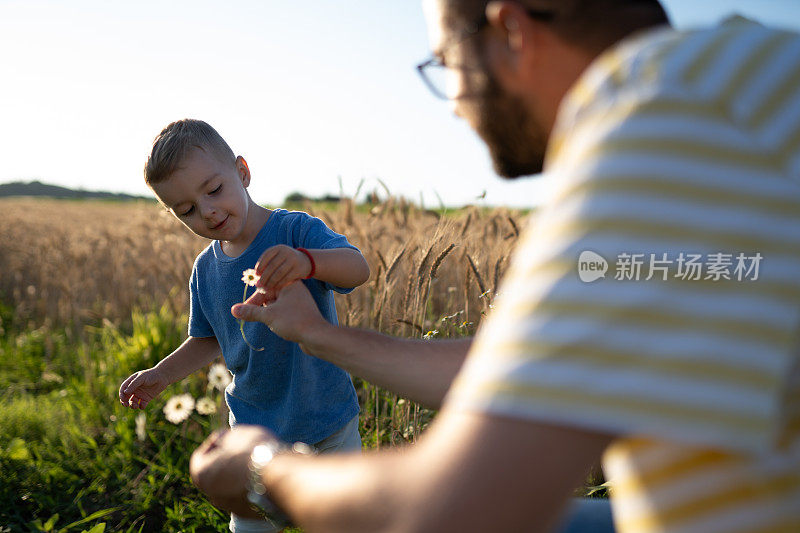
(208, 195)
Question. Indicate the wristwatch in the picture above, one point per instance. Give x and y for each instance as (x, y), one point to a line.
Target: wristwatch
(260, 457)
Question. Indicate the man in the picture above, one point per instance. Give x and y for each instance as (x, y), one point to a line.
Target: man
(676, 156)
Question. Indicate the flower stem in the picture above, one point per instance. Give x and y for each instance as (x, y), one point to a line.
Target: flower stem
(241, 324)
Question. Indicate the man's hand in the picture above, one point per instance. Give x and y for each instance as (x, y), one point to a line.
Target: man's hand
(140, 388)
(280, 265)
(220, 467)
(292, 314)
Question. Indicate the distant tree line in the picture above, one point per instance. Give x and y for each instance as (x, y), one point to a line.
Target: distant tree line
(298, 197)
(37, 188)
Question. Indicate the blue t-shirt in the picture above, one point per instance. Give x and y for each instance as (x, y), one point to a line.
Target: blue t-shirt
(295, 395)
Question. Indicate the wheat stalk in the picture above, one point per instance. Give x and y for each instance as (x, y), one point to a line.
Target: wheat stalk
(395, 262)
(410, 323)
(497, 266)
(438, 261)
(478, 277)
(421, 268)
(382, 260)
(466, 224)
(513, 225)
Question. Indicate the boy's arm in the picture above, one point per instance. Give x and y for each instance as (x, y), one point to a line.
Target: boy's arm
(141, 387)
(192, 355)
(281, 265)
(343, 267)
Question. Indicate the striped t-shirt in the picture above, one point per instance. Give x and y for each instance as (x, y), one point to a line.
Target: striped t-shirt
(656, 295)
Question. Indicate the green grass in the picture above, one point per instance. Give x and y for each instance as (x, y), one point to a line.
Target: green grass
(70, 458)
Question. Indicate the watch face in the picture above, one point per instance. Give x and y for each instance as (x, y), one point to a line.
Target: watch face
(257, 492)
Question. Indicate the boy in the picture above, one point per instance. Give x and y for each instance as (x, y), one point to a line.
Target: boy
(194, 173)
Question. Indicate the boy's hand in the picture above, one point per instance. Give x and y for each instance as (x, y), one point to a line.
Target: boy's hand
(280, 265)
(140, 388)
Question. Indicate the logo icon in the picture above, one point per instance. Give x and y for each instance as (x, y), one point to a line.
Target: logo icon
(591, 266)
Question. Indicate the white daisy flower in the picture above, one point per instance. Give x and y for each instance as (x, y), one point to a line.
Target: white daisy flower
(431, 334)
(206, 406)
(218, 376)
(179, 408)
(250, 277)
(141, 420)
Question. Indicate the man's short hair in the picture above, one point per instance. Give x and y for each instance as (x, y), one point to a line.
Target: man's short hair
(171, 146)
(591, 24)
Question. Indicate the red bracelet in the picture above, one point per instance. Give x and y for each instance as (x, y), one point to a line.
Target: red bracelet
(313, 264)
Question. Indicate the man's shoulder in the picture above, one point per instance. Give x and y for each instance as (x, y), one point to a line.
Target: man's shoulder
(710, 64)
(704, 79)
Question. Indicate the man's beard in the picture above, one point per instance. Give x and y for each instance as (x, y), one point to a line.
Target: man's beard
(516, 142)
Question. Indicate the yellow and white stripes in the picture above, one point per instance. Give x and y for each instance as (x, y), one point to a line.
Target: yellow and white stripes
(663, 487)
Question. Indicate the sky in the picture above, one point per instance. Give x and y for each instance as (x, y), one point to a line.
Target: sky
(313, 94)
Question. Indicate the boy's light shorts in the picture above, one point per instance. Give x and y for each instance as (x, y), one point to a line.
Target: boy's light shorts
(346, 439)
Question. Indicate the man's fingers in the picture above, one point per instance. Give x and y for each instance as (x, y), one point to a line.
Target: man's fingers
(210, 442)
(297, 291)
(197, 466)
(258, 298)
(270, 296)
(215, 437)
(262, 297)
(251, 313)
(204, 455)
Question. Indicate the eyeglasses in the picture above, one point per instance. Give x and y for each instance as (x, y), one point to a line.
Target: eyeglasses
(433, 71)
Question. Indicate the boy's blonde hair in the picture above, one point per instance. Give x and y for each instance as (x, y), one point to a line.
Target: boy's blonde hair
(173, 143)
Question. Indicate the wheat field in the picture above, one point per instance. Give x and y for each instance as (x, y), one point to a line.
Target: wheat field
(79, 262)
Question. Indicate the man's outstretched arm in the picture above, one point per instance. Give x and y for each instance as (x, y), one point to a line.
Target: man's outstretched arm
(416, 369)
(470, 472)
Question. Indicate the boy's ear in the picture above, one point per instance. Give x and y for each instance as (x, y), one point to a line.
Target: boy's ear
(243, 170)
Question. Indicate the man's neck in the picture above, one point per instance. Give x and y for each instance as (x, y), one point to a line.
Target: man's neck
(567, 62)
(564, 73)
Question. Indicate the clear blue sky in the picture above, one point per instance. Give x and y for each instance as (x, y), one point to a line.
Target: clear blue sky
(306, 91)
